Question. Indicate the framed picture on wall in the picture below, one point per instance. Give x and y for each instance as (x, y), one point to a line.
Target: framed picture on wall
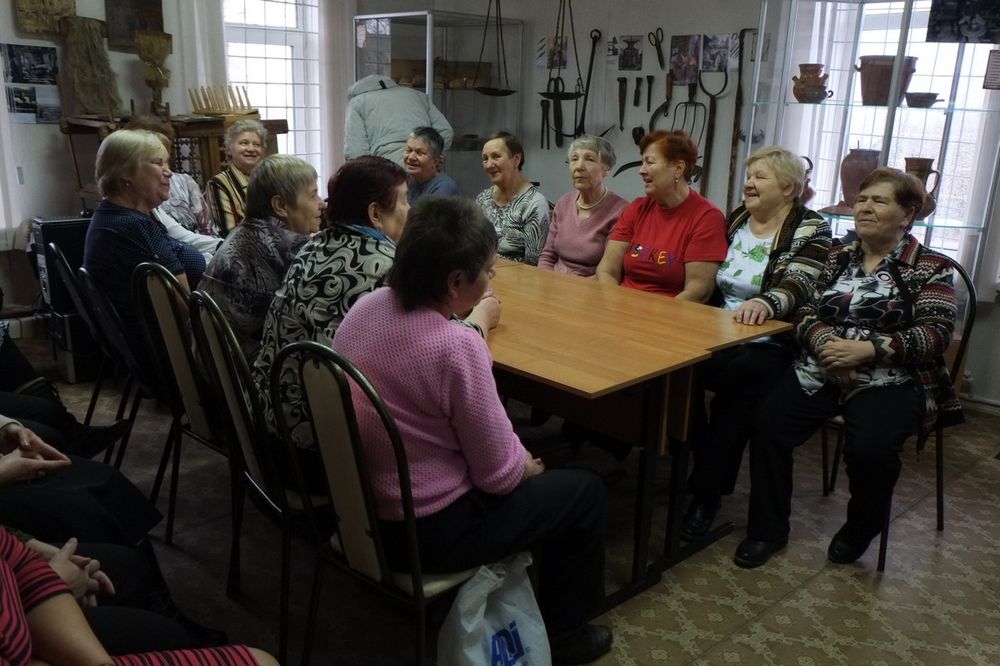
(124, 17)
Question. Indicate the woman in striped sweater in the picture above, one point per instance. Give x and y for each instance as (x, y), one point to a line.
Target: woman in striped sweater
(41, 623)
(873, 333)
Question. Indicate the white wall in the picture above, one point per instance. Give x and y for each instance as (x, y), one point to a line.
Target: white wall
(44, 179)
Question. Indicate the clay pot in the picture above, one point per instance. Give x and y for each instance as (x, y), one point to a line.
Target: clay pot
(876, 75)
(921, 167)
(810, 86)
(855, 168)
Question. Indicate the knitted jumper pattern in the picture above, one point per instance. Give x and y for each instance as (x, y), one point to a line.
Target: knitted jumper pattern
(435, 377)
(797, 257)
(919, 341)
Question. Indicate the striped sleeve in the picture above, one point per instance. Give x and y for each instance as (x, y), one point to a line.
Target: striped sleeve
(934, 311)
(36, 580)
(229, 655)
(805, 258)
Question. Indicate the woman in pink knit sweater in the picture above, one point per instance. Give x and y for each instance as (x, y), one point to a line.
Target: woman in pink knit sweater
(583, 217)
(478, 494)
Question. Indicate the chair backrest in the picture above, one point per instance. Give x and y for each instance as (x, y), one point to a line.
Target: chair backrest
(108, 321)
(235, 391)
(80, 301)
(326, 379)
(158, 297)
(965, 292)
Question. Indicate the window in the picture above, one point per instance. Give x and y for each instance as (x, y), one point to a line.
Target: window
(272, 48)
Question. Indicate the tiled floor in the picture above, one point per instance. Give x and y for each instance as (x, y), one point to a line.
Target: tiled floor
(937, 603)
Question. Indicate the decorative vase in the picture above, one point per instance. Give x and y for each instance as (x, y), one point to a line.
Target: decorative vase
(810, 86)
(876, 75)
(922, 168)
(855, 167)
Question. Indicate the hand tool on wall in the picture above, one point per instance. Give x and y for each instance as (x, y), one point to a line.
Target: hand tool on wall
(663, 109)
(656, 40)
(557, 87)
(546, 144)
(713, 99)
(638, 133)
(649, 92)
(637, 93)
(622, 96)
(737, 116)
(689, 116)
(595, 39)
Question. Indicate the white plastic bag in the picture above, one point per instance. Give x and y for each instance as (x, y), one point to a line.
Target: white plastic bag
(495, 620)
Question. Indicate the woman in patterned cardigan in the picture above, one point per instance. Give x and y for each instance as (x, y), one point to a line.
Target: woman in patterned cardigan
(872, 335)
(777, 247)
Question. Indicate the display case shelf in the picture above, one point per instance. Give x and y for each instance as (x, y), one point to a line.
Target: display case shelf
(960, 133)
(439, 52)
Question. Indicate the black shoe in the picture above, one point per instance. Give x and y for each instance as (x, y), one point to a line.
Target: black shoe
(847, 546)
(699, 516)
(580, 646)
(88, 441)
(752, 553)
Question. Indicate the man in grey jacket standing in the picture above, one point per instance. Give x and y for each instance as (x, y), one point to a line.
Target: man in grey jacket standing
(381, 115)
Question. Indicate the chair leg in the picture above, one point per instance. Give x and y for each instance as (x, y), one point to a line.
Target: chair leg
(286, 579)
(939, 463)
(162, 468)
(131, 424)
(175, 475)
(838, 452)
(421, 637)
(883, 542)
(122, 404)
(124, 401)
(238, 491)
(101, 370)
(314, 595)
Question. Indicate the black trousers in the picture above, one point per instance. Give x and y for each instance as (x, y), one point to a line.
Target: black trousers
(876, 421)
(126, 623)
(558, 515)
(741, 377)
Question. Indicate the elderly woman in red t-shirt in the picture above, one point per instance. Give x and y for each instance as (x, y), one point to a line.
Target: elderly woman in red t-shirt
(672, 240)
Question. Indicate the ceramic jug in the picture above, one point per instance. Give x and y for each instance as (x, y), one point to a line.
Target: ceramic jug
(921, 167)
(810, 86)
(855, 168)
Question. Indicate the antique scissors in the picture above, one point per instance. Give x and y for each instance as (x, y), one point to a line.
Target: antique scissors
(656, 39)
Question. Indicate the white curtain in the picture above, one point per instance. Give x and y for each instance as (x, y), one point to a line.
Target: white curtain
(337, 47)
(199, 57)
(10, 210)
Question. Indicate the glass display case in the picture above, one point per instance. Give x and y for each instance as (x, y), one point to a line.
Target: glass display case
(454, 58)
(855, 84)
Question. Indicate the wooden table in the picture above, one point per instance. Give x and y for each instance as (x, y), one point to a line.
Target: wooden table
(618, 361)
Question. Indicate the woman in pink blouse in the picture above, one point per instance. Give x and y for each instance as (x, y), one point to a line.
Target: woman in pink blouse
(478, 494)
(582, 219)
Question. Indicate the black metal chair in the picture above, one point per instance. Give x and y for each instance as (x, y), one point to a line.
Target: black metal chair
(161, 302)
(109, 359)
(109, 323)
(252, 456)
(965, 290)
(356, 548)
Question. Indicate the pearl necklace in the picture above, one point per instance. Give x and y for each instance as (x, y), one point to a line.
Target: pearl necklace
(582, 206)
